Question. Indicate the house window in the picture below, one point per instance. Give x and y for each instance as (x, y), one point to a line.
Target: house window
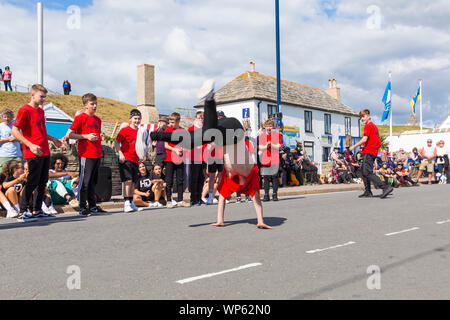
(348, 126)
(308, 121)
(271, 110)
(327, 122)
(326, 154)
(309, 149)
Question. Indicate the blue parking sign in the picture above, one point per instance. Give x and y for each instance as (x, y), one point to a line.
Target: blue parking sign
(245, 113)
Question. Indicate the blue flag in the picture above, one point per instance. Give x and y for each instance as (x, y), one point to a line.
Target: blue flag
(387, 102)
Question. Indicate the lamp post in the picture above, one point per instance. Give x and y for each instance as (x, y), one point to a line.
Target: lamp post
(277, 32)
(40, 37)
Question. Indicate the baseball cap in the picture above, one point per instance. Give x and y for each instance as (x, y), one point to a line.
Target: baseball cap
(164, 118)
(220, 114)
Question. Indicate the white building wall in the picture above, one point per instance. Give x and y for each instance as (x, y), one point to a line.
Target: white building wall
(294, 116)
(409, 141)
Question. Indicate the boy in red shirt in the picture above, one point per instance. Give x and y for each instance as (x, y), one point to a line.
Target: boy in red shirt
(86, 128)
(174, 163)
(31, 121)
(372, 143)
(270, 143)
(128, 159)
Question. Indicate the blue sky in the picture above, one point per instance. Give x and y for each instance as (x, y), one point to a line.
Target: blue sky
(189, 41)
(50, 4)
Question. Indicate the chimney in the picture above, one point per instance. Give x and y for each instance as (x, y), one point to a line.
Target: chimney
(333, 90)
(146, 93)
(252, 67)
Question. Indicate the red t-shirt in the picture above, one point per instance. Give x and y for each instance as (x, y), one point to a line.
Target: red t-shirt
(373, 142)
(32, 123)
(85, 124)
(171, 155)
(127, 137)
(269, 157)
(196, 154)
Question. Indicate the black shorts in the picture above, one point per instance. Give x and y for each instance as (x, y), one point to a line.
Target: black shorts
(151, 198)
(215, 167)
(128, 171)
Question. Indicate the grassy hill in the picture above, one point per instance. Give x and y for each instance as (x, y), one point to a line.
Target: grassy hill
(107, 109)
(385, 130)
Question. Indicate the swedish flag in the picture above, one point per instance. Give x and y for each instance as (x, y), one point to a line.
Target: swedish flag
(414, 101)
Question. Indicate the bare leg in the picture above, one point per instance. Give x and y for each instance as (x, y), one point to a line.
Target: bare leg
(259, 212)
(139, 202)
(12, 196)
(220, 212)
(419, 175)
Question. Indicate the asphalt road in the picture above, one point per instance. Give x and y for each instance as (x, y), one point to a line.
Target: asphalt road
(323, 247)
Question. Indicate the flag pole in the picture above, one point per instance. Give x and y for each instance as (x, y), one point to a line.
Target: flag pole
(390, 116)
(421, 97)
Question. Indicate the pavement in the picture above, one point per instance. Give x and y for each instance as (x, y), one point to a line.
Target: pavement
(323, 246)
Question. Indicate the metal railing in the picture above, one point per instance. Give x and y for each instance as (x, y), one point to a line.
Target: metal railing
(22, 88)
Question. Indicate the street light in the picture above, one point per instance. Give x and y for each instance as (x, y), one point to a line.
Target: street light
(277, 32)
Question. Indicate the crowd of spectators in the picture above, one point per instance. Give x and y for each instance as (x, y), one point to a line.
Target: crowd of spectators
(200, 172)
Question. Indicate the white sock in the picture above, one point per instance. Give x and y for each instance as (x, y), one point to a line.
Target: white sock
(8, 206)
(16, 206)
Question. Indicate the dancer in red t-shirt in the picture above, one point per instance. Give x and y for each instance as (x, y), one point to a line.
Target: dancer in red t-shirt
(30, 130)
(372, 143)
(128, 159)
(86, 128)
(240, 170)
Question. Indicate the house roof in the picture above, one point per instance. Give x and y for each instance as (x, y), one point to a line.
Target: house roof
(253, 85)
(53, 113)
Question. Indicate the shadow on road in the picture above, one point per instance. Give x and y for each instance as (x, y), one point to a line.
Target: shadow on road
(271, 221)
(363, 277)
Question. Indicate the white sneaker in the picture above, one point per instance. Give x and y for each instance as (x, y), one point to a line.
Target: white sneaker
(52, 210)
(205, 200)
(206, 92)
(12, 213)
(215, 201)
(158, 204)
(174, 203)
(135, 208)
(45, 208)
(26, 217)
(127, 208)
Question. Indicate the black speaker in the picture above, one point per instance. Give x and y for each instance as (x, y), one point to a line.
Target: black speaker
(103, 189)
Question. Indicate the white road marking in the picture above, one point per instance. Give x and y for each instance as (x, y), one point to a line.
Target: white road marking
(403, 231)
(442, 222)
(333, 247)
(209, 275)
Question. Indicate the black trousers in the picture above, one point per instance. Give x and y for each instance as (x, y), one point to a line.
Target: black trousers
(267, 178)
(36, 180)
(171, 168)
(196, 180)
(368, 175)
(88, 181)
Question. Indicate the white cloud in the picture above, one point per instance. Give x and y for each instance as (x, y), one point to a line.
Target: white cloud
(190, 41)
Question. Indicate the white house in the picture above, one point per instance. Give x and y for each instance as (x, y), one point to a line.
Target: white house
(312, 116)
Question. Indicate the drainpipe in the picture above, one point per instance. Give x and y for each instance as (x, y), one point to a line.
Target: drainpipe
(259, 115)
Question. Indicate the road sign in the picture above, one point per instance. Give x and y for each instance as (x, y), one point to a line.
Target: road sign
(246, 113)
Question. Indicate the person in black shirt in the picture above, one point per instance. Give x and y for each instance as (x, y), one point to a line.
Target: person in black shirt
(150, 186)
